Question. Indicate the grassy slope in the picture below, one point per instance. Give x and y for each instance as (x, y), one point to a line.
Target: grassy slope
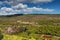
(48, 24)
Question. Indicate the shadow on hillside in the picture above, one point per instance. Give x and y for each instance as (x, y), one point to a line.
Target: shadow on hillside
(11, 15)
(1, 37)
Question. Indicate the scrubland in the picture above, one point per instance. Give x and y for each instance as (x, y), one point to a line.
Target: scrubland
(36, 26)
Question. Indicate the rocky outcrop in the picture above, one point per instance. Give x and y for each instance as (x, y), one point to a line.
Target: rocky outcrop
(13, 30)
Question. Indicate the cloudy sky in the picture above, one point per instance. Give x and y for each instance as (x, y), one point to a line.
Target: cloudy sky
(10, 7)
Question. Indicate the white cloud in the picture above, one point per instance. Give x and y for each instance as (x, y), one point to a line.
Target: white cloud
(40, 9)
(0, 2)
(36, 1)
(5, 2)
(22, 8)
(15, 2)
(41, 1)
(6, 11)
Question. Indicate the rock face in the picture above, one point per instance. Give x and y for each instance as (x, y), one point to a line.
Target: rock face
(46, 37)
(13, 30)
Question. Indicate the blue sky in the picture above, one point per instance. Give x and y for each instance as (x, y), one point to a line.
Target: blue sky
(10, 7)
